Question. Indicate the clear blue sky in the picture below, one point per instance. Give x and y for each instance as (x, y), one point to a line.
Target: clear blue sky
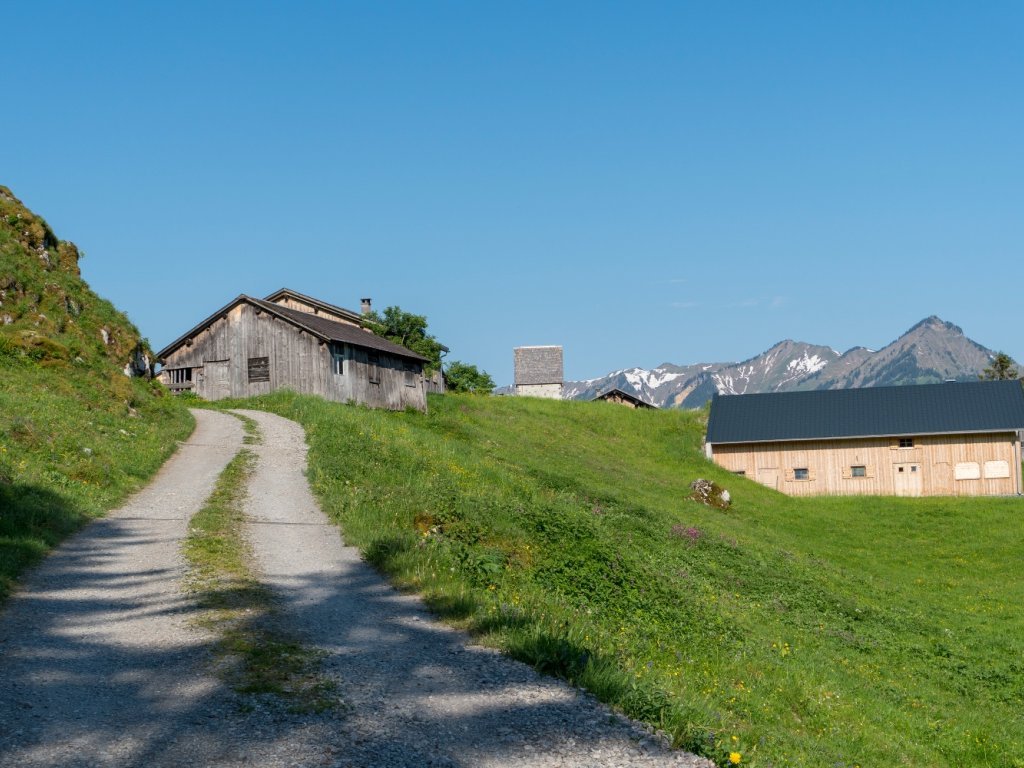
(640, 182)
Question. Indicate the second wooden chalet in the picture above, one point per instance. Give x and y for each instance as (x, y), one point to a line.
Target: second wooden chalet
(953, 439)
(621, 397)
(290, 341)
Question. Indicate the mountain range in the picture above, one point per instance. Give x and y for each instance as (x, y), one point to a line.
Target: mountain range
(932, 351)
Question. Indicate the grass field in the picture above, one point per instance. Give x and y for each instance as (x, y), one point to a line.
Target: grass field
(74, 441)
(819, 632)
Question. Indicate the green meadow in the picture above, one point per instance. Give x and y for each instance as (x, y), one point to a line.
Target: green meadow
(818, 632)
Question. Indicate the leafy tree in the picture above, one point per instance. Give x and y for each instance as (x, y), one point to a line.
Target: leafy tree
(462, 377)
(410, 331)
(1002, 368)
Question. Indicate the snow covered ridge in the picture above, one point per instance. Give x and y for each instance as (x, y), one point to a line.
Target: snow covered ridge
(931, 351)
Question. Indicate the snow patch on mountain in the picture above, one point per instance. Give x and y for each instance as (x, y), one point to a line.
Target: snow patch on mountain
(806, 364)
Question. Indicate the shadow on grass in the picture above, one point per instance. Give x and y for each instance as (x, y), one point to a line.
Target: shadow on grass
(548, 648)
(33, 519)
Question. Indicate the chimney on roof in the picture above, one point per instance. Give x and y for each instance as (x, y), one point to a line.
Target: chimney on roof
(365, 305)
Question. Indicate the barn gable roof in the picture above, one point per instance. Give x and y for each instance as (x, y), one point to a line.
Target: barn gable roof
(950, 408)
(283, 293)
(321, 327)
(538, 365)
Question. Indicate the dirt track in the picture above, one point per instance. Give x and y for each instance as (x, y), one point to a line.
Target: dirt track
(101, 665)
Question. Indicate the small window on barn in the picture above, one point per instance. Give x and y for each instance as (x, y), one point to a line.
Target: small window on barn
(858, 470)
(259, 369)
(801, 473)
(373, 367)
(338, 359)
(997, 469)
(410, 374)
(966, 470)
(906, 442)
(180, 376)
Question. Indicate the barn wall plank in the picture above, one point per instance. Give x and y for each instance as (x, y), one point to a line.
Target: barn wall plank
(829, 462)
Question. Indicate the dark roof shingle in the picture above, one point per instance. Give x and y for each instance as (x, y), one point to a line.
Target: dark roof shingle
(954, 407)
(538, 365)
(328, 330)
(335, 331)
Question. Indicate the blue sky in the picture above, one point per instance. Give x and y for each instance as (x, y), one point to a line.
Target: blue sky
(640, 182)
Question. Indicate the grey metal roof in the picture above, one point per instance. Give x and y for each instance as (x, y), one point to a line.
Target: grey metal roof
(538, 365)
(954, 407)
(321, 327)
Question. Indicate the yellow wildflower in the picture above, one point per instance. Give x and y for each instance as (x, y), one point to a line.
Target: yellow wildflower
(735, 757)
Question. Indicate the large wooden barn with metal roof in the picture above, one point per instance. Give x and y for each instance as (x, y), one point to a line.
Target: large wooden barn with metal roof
(953, 439)
(291, 341)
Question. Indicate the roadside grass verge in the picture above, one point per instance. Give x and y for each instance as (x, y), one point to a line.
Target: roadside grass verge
(817, 632)
(75, 441)
(255, 656)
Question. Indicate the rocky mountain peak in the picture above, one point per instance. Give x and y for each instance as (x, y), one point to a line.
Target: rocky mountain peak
(933, 350)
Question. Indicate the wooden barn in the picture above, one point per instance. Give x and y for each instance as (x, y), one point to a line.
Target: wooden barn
(291, 341)
(953, 439)
(619, 397)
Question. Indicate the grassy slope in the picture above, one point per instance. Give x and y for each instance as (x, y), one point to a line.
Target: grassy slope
(70, 449)
(76, 434)
(831, 632)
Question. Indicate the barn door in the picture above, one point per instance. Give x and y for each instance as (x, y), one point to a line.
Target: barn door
(906, 479)
(218, 380)
(769, 477)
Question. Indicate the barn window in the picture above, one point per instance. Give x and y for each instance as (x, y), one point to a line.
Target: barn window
(373, 367)
(801, 473)
(858, 470)
(180, 376)
(997, 469)
(967, 470)
(410, 374)
(259, 369)
(906, 442)
(338, 359)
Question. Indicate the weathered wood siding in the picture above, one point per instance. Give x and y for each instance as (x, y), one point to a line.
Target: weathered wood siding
(220, 359)
(939, 460)
(302, 306)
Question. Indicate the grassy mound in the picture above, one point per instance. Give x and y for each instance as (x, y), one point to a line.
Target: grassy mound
(819, 632)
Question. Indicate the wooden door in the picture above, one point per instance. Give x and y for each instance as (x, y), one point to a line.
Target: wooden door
(906, 479)
(769, 477)
(218, 380)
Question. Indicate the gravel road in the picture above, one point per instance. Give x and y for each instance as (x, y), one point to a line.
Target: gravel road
(98, 662)
(101, 666)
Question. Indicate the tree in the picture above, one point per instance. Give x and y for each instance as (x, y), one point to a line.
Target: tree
(462, 377)
(410, 331)
(1002, 368)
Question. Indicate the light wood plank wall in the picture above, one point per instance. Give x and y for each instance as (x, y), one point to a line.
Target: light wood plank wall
(829, 465)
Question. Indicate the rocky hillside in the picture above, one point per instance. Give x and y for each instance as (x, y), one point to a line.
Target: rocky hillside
(77, 435)
(47, 311)
(931, 351)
